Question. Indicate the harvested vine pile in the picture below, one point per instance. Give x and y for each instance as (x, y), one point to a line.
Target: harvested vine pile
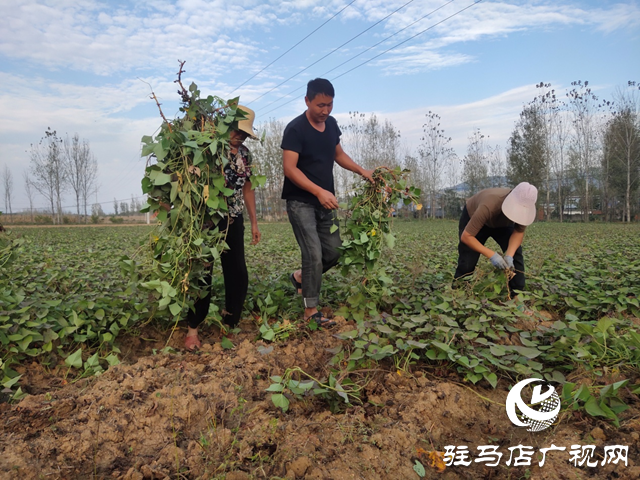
(187, 193)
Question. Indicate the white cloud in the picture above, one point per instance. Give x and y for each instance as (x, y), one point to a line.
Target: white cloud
(484, 20)
(95, 38)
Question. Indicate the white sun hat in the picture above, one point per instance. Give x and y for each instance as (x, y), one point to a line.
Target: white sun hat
(247, 124)
(520, 205)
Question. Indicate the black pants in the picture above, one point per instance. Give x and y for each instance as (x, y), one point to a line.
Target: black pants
(468, 258)
(236, 278)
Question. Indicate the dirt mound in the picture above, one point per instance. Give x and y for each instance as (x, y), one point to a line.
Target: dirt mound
(207, 415)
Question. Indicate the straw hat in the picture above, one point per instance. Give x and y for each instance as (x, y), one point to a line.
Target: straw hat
(520, 205)
(247, 125)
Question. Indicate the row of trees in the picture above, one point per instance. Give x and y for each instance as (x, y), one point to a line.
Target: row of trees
(583, 154)
(57, 166)
(126, 208)
(580, 149)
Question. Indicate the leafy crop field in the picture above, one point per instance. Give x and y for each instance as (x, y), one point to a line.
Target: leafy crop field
(413, 365)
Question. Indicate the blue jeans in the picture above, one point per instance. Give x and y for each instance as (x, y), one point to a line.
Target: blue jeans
(318, 246)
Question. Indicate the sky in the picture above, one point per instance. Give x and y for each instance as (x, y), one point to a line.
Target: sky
(88, 67)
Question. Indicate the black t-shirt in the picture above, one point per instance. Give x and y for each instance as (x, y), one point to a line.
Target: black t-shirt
(317, 153)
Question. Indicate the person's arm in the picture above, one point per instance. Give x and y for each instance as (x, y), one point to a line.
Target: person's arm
(514, 242)
(250, 202)
(293, 173)
(347, 163)
(473, 243)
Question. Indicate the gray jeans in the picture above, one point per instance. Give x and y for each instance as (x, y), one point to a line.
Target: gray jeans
(319, 247)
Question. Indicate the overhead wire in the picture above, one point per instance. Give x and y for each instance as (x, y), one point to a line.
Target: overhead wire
(408, 39)
(274, 61)
(361, 53)
(388, 50)
(331, 52)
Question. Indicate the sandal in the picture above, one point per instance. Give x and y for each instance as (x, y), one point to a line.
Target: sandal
(192, 343)
(321, 321)
(296, 284)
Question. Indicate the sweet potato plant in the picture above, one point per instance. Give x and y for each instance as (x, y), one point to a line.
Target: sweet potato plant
(185, 184)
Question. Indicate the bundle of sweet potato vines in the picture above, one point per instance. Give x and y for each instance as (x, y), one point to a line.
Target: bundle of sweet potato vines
(186, 190)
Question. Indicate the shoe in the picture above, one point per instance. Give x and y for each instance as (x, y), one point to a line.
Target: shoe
(296, 284)
(321, 321)
(192, 343)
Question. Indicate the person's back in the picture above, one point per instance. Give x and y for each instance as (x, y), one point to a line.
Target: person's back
(501, 214)
(485, 208)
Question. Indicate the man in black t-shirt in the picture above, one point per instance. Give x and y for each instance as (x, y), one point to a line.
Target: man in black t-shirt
(310, 145)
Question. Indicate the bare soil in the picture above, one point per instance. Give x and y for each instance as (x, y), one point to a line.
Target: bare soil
(206, 415)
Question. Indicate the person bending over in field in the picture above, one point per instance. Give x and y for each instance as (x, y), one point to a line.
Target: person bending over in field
(310, 146)
(502, 214)
(234, 268)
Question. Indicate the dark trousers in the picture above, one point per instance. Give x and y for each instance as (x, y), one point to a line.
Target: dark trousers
(236, 278)
(468, 258)
(319, 247)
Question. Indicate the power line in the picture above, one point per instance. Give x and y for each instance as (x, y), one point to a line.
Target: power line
(410, 38)
(254, 76)
(357, 55)
(331, 52)
(388, 50)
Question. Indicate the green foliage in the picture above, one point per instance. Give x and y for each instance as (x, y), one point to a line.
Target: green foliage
(335, 389)
(186, 189)
(64, 288)
(367, 228)
(10, 248)
(116, 220)
(603, 403)
(367, 233)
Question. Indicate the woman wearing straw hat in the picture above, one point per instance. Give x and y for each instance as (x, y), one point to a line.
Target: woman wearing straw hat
(502, 214)
(234, 268)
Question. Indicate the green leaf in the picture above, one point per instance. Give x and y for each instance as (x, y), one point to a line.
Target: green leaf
(491, 378)
(280, 401)
(158, 178)
(226, 343)
(390, 240)
(527, 351)
(593, 409)
(419, 469)
(8, 383)
(334, 228)
(92, 361)
(175, 308)
(112, 359)
(75, 359)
